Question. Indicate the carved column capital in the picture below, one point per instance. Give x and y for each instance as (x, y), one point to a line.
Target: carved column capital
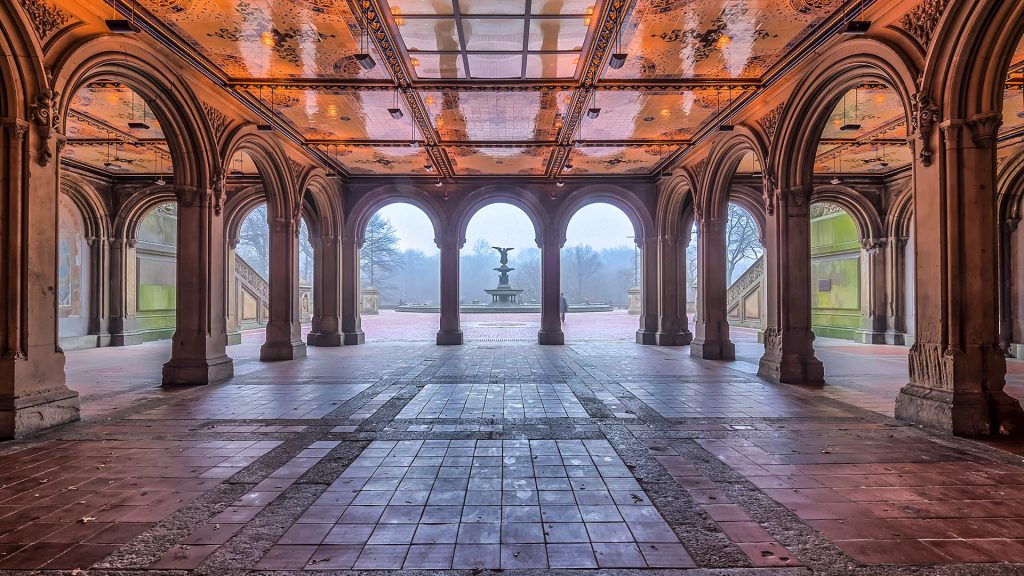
(923, 118)
(984, 128)
(191, 196)
(873, 245)
(281, 225)
(16, 129)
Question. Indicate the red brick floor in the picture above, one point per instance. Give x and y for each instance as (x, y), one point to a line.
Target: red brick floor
(502, 454)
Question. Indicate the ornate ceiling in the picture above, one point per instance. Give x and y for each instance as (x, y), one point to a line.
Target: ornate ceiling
(493, 87)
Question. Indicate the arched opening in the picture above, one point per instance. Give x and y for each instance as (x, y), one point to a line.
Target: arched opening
(744, 273)
(836, 276)
(155, 273)
(74, 293)
(499, 290)
(601, 275)
(399, 275)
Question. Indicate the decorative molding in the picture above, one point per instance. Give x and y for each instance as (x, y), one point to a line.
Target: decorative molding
(822, 209)
(219, 179)
(922, 21)
(924, 116)
(770, 191)
(770, 121)
(45, 18)
(984, 129)
(16, 129)
(930, 366)
(218, 120)
(773, 342)
(698, 170)
(873, 245)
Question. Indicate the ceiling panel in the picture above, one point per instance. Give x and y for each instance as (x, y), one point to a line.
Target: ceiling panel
(507, 161)
(380, 160)
(496, 65)
(550, 66)
(496, 116)
(551, 34)
(502, 7)
(861, 158)
(270, 38)
(112, 106)
(329, 113)
(121, 158)
(714, 38)
(649, 115)
(595, 161)
(437, 66)
(426, 7)
(871, 108)
(430, 34)
(1013, 110)
(501, 35)
(554, 7)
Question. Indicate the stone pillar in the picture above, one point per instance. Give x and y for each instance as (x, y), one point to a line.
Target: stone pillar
(788, 339)
(326, 292)
(351, 328)
(648, 330)
(711, 338)
(672, 324)
(122, 325)
(450, 332)
(895, 290)
(200, 339)
(957, 370)
(33, 395)
(234, 332)
(99, 289)
(1005, 283)
(284, 329)
(551, 290)
(873, 292)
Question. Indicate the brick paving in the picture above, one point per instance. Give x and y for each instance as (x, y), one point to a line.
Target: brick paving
(505, 455)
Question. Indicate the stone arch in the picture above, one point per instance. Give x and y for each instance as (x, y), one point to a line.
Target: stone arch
(138, 205)
(499, 194)
(239, 206)
(1010, 186)
(22, 72)
(841, 68)
(899, 217)
(271, 164)
(672, 199)
(130, 61)
(355, 225)
(723, 160)
(869, 223)
(321, 203)
(752, 201)
(90, 204)
(621, 198)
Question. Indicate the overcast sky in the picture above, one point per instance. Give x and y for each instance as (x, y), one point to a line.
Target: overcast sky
(599, 225)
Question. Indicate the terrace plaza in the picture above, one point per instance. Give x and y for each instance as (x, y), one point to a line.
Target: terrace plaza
(846, 403)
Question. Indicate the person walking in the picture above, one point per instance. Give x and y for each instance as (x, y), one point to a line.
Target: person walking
(563, 306)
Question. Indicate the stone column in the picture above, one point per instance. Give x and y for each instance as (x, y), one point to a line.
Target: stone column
(450, 332)
(895, 282)
(284, 329)
(99, 289)
(672, 323)
(123, 328)
(200, 339)
(647, 333)
(711, 338)
(234, 332)
(351, 328)
(551, 290)
(788, 339)
(326, 292)
(873, 292)
(1005, 283)
(33, 395)
(957, 369)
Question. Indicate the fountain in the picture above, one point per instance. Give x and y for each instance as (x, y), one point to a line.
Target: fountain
(504, 295)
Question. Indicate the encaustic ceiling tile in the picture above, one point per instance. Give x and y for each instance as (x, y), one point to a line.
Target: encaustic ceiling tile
(121, 158)
(335, 114)
(496, 116)
(99, 109)
(872, 109)
(505, 161)
(627, 114)
(715, 38)
(619, 160)
(380, 160)
(1013, 109)
(870, 157)
(271, 38)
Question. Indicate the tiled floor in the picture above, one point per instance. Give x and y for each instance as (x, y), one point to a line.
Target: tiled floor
(501, 454)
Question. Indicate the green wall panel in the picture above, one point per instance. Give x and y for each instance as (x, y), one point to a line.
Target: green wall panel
(835, 257)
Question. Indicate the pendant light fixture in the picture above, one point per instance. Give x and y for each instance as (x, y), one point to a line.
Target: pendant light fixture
(108, 163)
(331, 173)
(836, 163)
(594, 111)
(133, 124)
(618, 57)
(724, 126)
(396, 112)
(859, 26)
(263, 126)
(884, 163)
(855, 125)
(364, 58)
(119, 25)
(160, 171)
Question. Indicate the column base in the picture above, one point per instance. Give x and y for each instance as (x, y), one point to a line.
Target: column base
(279, 351)
(1016, 351)
(234, 337)
(791, 369)
(551, 337)
(126, 338)
(677, 338)
(323, 339)
(869, 337)
(713, 349)
(28, 415)
(200, 371)
(895, 338)
(962, 414)
(353, 338)
(453, 338)
(646, 337)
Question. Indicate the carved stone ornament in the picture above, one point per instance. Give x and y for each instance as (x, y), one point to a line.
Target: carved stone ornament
(985, 128)
(930, 366)
(698, 169)
(770, 121)
(16, 130)
(769, 192)
(871, 245)
(924, 117)
(218, 120)
(190, 197)
(45, 18)
(773, 341)
(923, 19)
(219, 191)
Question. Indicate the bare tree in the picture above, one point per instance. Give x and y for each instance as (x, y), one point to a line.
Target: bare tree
(581, 265)
(254, 241)
(742, 241)
(527, 274)
(379, 255)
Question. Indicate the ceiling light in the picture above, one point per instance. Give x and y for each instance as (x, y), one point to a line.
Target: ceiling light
(439, 183)
(618, 60)
(121, 26)
(726, 127)
(237, 172)
(857, 27)
(883, 164)
(567, 167)
(138, 125)
(366, 61)
(428, 167)
(835, 180)
(560, 183)
(331, 174)
(264, 128)
(593, 113)
(396, 113)
(160, 182)
(850, 127)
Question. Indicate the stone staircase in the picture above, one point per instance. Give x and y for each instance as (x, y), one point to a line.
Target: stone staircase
(745, 296)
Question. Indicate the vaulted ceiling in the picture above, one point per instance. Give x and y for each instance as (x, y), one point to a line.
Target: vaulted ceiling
(492, 87)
